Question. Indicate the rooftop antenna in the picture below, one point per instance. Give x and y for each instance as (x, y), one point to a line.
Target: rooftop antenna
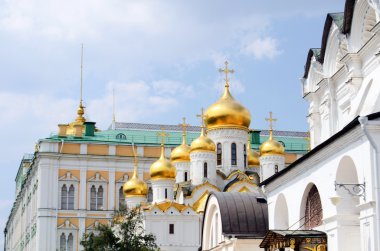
(113, 109)
(80, 110)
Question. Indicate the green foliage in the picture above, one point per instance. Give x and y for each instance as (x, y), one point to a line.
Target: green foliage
(126, 233)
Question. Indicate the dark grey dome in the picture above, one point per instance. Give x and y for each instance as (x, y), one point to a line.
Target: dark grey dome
(242, 214)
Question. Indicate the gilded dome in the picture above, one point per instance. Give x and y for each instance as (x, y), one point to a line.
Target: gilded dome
(135, 187)
(181, 153)
(227, 113)
(253, 156)
(203, 143)
(162, 168)
(271, 146)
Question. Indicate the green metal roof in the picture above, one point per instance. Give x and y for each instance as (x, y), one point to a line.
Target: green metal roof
(146, 134)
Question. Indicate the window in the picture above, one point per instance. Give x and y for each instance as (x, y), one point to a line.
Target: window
(121, 198)
(99, 196)
(233, 154)
(96, 198)
(166, 193)
(245, 156)
(205, 170)
(70, 242)
(64, 197)
(219, 154)
(313, 210)
(71, 197)
(171, 228)
(66, 244)
(67, 197)
(185, 176)
(62, 242)
(121, 136)
(276, 169)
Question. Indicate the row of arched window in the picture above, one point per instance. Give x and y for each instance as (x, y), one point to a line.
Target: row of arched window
(66, 243)
(233, 154)
(67, 197)
(96, 197)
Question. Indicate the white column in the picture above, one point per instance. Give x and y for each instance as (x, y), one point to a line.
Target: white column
(83, 189)
(111, 189)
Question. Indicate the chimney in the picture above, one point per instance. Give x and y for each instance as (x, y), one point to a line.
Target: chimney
(78, 131)
(89, 129)
(62, 130)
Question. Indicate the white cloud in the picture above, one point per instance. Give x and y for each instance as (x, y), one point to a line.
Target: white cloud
(139, 101)
(262, 48)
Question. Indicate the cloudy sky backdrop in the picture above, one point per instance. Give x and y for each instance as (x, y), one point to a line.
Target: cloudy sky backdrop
(160, 56)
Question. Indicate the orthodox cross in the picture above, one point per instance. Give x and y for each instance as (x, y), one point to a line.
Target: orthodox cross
(162, 134)
(271, 120)
(184, 125)
(203, 117)
(226, 71)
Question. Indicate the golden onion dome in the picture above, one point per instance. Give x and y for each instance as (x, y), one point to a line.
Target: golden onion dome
(135, 187)
(227, 113)
(253, 156)
(202, 144)
(181, 153)
(162, 168)
(271, 146)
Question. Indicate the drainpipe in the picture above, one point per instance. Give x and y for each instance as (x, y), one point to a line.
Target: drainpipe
(363, 122)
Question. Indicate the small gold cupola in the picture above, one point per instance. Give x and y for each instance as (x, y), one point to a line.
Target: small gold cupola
(182, 152)
(253, 156)
(202, 143)
(135, 187)
(271, 146)
(227, 112)
(162, 168)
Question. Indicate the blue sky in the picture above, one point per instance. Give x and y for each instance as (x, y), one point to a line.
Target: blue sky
(160, 56)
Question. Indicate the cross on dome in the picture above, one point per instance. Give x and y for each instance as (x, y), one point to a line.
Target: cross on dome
(271, 120)
(184, 125)
(203, 116)
(226, 71)
(162, 134)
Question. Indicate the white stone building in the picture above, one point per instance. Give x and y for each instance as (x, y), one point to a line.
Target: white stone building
(335, 188)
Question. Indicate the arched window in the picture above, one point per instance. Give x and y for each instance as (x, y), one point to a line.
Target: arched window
(245, 156)
(205, 170)
(64, 197)
(62, 242)
(70, 242)
(185, 176)
(121, 198)
(93, 198)
(99, 203)
(219, 154)
(275, 168)
(166, 193)
(233, 154)
(313, 210)
(71, 197)
(121, 136)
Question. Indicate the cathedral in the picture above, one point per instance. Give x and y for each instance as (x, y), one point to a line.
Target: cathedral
(78, 176)
(221, 185)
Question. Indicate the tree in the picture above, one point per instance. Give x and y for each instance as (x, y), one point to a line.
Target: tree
(126, 233)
